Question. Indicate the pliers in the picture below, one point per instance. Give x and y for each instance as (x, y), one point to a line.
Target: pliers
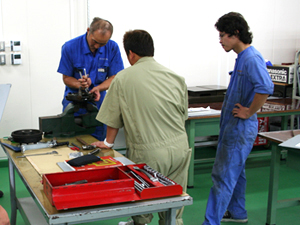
(74, 148)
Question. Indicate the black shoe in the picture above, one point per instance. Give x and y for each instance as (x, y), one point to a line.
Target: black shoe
(228, 218)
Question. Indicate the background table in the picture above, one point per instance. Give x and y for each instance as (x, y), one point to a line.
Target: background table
(38, 202)
(276, 138)
(202, 126)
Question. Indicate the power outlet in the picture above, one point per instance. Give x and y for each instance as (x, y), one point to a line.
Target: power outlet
(2, 46)
(16, 58)
(2, 59)
(15, 46)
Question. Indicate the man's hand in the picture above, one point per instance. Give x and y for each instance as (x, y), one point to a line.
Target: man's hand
(85, 82)
(99, 144)
(244, 112)
(241, 111)
(96, 93)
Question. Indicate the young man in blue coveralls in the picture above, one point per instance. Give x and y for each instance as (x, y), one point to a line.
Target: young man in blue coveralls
(249, 87)
(98, 56)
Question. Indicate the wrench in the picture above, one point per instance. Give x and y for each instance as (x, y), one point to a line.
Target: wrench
(47, 153)
(146, 173)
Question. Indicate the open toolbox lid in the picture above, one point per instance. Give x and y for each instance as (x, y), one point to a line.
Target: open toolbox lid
(104, 186)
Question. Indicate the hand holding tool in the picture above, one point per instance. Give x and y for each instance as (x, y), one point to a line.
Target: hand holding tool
(80, 73)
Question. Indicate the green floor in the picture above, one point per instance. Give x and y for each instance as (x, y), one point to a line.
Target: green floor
(257, 171)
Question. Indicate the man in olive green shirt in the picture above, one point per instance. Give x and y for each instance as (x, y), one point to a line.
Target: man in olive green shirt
(151, 103)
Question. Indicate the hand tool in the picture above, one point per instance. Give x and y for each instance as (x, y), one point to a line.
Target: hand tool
(85, 146)
(80, 73)
(138, 186)
(143, 182)
(77, 182)
(39, 145)
(146, 173)
(46, 153)
(161, 178)
(75, 145)
(94, 152)
(74, 148)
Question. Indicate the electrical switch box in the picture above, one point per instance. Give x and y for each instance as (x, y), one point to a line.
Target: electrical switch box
(15, 46)
(2, 59)
(2, 46)
(16, 58)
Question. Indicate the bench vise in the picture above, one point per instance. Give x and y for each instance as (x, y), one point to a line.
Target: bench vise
(68, 125)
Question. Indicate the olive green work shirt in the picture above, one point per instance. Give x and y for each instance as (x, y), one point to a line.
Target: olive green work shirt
(150, 101)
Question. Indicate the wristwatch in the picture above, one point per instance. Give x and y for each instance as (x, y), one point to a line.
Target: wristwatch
(108, 144)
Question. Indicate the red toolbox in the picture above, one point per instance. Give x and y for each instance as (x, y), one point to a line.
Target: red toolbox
(104, 186)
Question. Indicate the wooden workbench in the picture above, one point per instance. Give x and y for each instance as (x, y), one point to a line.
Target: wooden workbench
(38, 210)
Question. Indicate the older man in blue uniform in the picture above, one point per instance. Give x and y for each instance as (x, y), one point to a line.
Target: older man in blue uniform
(249, 87)
(97, 58)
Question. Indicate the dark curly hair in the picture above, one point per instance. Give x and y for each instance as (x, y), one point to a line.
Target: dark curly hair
(233, 23)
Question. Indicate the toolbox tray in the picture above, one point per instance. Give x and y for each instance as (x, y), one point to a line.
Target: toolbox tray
(104, 186)
(156, 190)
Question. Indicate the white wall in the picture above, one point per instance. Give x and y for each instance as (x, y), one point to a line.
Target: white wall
(42, 27)
(186, 40)
(183, 31)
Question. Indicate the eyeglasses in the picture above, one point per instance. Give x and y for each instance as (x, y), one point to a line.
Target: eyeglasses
(96, 42)
(221, 35)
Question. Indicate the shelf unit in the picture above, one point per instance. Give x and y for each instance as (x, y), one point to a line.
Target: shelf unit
(296, 82)
(296, 85)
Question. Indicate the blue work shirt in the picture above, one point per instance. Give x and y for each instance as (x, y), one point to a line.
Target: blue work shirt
(250, 76)
(76, 55)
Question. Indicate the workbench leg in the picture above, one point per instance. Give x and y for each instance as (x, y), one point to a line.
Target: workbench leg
(284, 122)
(273, 184)
(13, 201)
(170, 217)
(190, 129)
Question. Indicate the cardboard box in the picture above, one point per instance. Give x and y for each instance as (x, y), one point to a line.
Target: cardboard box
(263, 126)
(281, 74)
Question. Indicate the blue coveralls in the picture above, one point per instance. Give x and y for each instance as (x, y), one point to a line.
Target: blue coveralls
(236, 138)
(106, 62)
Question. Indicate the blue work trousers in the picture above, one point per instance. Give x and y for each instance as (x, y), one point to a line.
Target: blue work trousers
(229, 184)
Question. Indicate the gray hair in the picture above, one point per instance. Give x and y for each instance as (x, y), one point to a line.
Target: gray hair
(101, 24)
